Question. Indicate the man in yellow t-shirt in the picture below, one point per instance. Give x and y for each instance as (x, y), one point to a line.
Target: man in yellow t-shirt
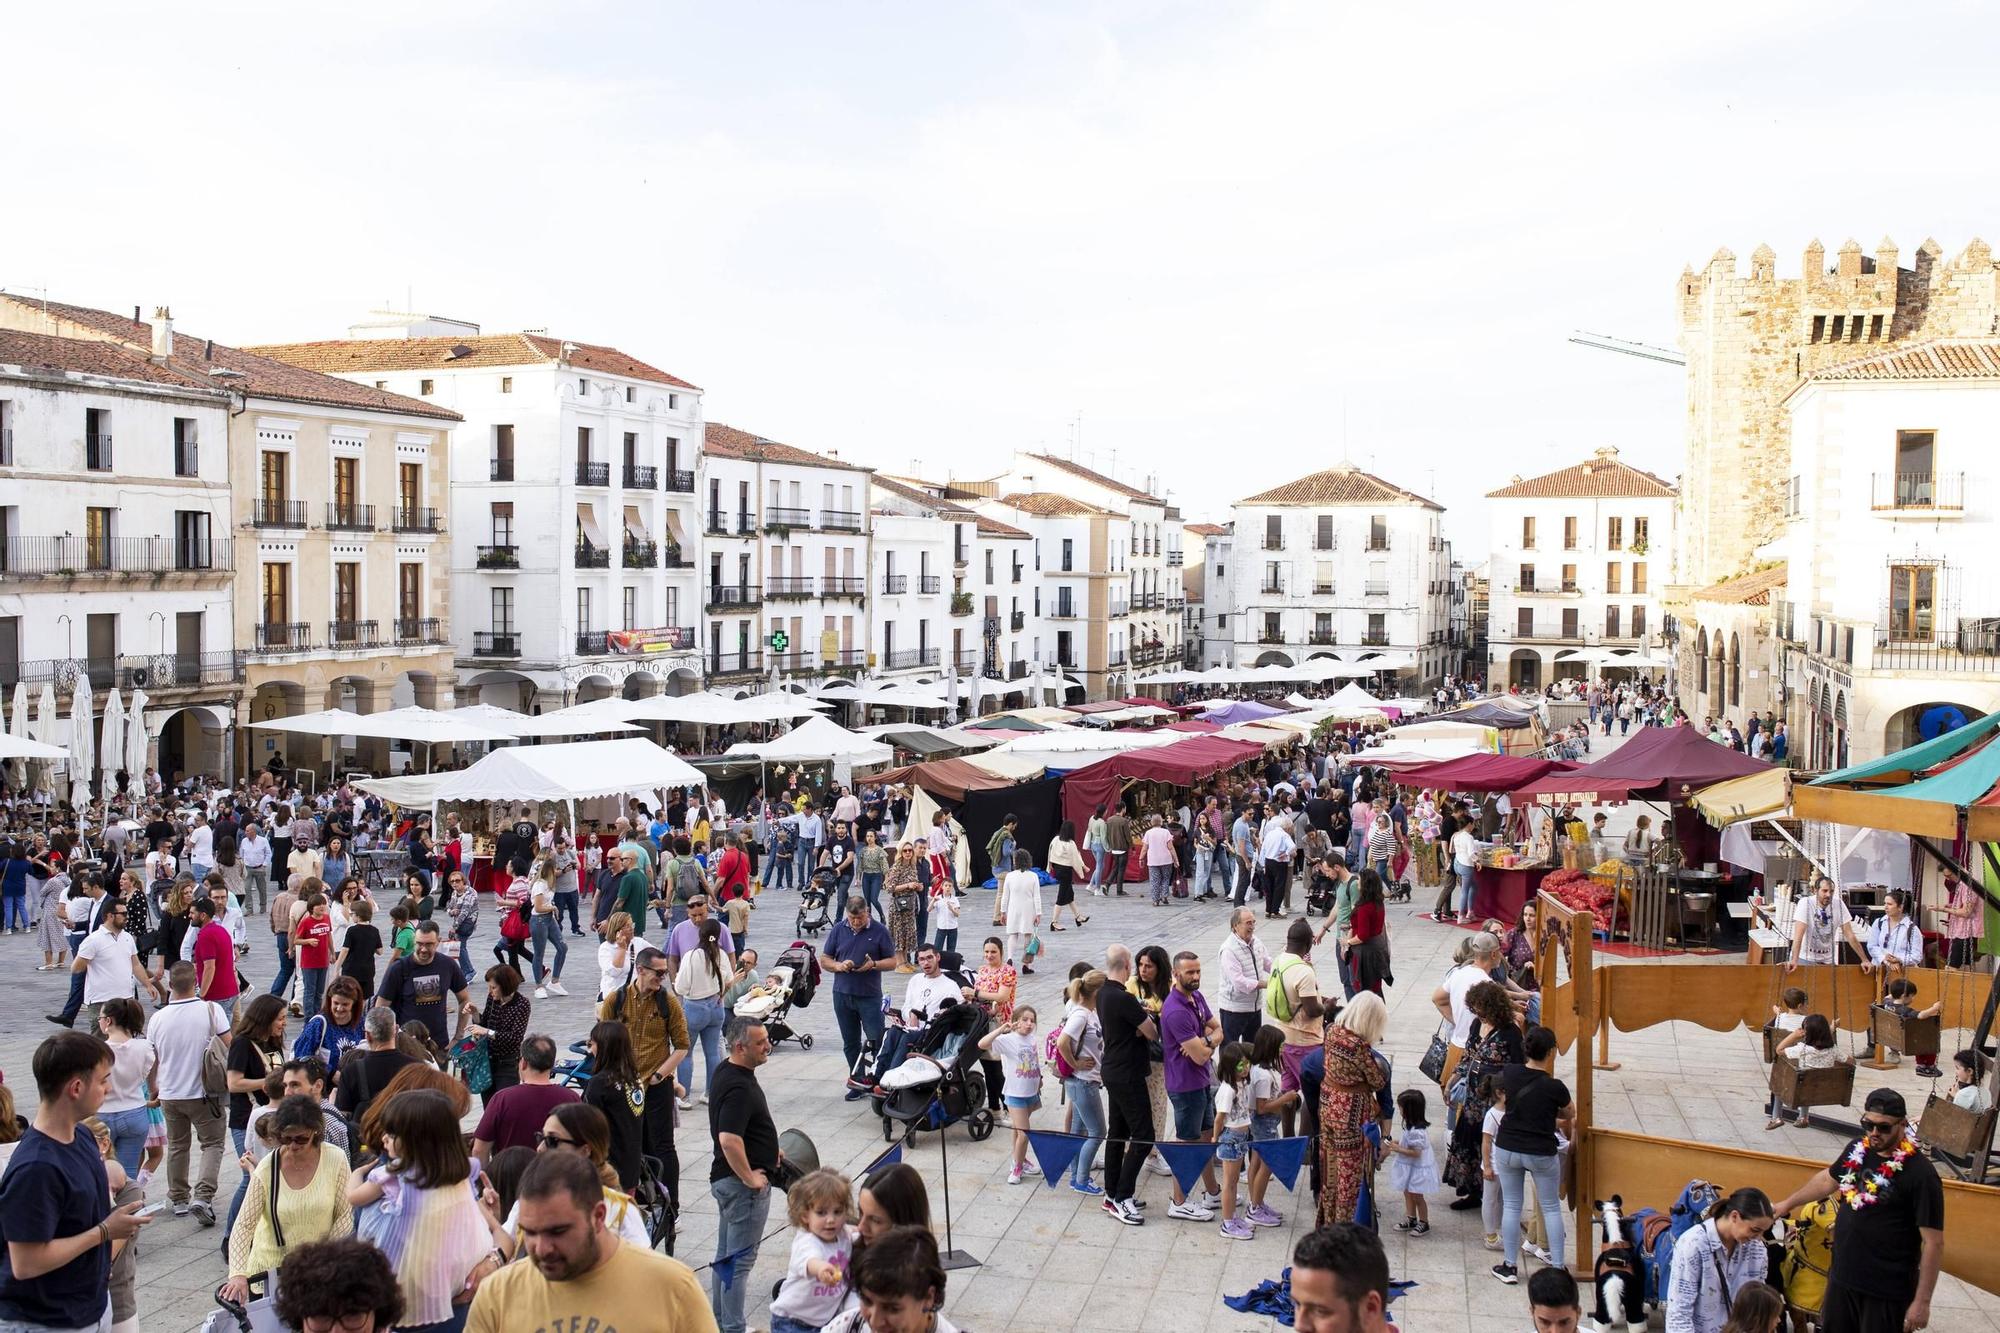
(576, 1273)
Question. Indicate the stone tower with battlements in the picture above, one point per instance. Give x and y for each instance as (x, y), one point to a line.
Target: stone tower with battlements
(1750, 338)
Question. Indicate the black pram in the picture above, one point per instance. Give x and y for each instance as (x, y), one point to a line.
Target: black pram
(938, 1081)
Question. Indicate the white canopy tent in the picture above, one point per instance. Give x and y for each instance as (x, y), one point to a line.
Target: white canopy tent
(1429, 751)
(886, 697)
(396, 724)
(524, 725)
(817, 738)
(569, 773)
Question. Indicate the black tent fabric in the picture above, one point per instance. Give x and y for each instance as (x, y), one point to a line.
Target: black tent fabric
(1035, 804)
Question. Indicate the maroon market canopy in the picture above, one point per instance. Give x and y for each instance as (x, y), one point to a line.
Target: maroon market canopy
(1182, 763)
(1482, 772)
(1657, 764)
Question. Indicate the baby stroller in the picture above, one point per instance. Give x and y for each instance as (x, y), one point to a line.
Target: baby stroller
(939, 1081)
(813, 899)
(797, 975)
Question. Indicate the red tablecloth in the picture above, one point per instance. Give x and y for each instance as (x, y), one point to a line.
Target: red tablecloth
(481, 874)
(1499, 894)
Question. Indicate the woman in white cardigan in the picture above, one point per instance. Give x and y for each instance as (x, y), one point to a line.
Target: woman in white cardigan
(1066, 867)
(1018, 906)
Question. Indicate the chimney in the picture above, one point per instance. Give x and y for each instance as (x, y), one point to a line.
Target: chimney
(163, 332)
(564, 353)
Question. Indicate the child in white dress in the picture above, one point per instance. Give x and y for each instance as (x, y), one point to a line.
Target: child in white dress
(1414, 1170)
(815, 1289)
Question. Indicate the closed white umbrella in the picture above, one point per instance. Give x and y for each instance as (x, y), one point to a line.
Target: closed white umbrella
(135, 741)
(82, 745)
(17, 724)
(112, 743)
(46, 726)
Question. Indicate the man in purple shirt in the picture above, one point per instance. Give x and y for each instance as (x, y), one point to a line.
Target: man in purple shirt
(1189, 1036)
(685, 937)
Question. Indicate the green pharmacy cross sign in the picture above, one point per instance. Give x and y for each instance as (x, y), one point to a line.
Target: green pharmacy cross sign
(780, 641)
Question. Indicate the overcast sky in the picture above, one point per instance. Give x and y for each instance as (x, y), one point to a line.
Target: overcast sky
(1235, 241)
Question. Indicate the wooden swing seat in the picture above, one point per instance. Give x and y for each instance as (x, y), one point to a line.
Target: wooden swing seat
(1771, 1038)
(1801, 1088)
(1951, 1129)
(1906, 1034)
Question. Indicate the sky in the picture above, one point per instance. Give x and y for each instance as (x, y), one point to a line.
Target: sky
(1218, 246)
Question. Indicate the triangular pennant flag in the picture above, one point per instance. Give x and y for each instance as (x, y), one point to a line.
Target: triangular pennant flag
(890, 1156)
(1283, 1156)
(1056, 1152)
(1186, 1161)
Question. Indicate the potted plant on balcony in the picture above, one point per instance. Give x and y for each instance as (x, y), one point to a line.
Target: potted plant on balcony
(961, 603)
(1639, 548)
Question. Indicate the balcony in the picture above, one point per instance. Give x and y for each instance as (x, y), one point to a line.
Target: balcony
(905, 659)
(1017, 671)
(742, 662)
(843, 585)
(1270, 636)
(1376, 588)
(1117, 658)
(839, 520)
(777, 517)
(1939, 494)
(746, 525)
(929, 585)
(159, 672)
(1328, 544)
(1379, 543)
(593, 643)
(679, 480)
(961, 603)
(97, 453)
(640, 477)
(593, 474)
(793, 587)
(1272, 587)
(79, 557)
(1375, 638)
(1018, 621)
(1016, 578)
(502, 643)
(187, 458)
(641, 555)
(1176, 603)
(1119, 610)
(498, 557)
(1064, 611)
(277, 513)
(718, 524)
(287, 637)
(415, 520)
(592, 557)
(1174, 558)
(672, 557)
(1322, 589)
(722, 596)
(1320, 638)
(1565, 589)
(349, 517)
(353, 634)
(810, 662)
(894, 585)
(419, 629)
(1274, 542)
(1905, 644)
(500, 469)
(966, 661)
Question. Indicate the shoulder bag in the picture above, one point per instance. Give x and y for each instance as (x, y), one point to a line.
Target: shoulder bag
(1435, 1055)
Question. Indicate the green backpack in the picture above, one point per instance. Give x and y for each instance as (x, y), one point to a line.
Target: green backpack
(1277, 1002)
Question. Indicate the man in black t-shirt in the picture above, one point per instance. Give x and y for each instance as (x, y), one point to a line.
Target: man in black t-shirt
(746, 1152)
(1886, 1251)
(422, 987)
(1129, 1032)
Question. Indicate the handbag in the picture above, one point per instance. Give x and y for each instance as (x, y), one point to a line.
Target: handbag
(1032, 949)
(473, 1058)
(1435, 1055)
(258, 1315)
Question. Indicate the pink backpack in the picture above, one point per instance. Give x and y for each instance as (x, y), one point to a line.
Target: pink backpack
(1053, 1056)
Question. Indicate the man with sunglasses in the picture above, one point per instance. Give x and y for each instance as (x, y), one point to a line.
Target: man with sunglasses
(1888, 1236)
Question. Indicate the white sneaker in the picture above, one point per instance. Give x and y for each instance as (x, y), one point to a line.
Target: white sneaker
(541, 992)
(556, 988)
(1014, 1175)
(1158, 1167)
(1537, 1253)
(1207, 1200)
(1191, 1211)
(685, 1103)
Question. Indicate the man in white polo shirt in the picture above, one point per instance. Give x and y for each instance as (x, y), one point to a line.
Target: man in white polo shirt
(109, 961)
(180, 1032)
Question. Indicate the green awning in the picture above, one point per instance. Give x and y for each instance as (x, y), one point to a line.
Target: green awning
(1916, 758)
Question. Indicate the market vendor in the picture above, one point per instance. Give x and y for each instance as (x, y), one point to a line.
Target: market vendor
(1817, 926)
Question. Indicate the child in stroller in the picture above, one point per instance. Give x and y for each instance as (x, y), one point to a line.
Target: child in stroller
(792, 982)
(938, 1081)
(814, 897)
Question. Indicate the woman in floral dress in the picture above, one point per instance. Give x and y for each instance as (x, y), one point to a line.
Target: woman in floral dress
(1347, 1104)
(904, 886)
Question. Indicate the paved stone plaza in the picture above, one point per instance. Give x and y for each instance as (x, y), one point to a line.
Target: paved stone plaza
(1049, 1258)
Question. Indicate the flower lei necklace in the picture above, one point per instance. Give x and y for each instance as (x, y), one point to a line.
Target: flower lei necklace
(1857, 1191)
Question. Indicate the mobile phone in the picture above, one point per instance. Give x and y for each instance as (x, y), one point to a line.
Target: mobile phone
(152, 1210)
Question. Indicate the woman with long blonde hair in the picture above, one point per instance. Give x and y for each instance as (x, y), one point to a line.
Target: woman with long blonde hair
(544, 925)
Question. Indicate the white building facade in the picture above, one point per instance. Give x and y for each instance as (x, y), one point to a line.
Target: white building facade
(573, 520)
(116, 549)
(1218, 592)
(1890, 607)
(1341, 563)
(1578, 560)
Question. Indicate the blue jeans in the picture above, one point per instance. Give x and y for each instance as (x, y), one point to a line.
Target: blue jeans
(567, 902)
(282, 982)
(1514, 1168)
(871, 891)
(1098, 864)
(924, 918)
(947, 939)
(1087, 1100)
(128, 1136)
(802, 862)
(544, 927)
(74, 1002)
(741, 1213)
(242, 1186)
(1204, 866)
(1465, 892)
(704, 1025)
(1381, 869)
(778, 870)
(857, 1014)
(19, 1326)
(312, 985)
(15, 912)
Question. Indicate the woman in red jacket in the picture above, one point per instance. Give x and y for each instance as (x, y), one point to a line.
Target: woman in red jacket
(1368, 937)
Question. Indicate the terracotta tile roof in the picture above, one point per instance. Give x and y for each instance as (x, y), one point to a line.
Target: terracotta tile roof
(41, 352)
(888, 485)
(1207, 529)
(349, 356)
(993, 527)
(720, 441)
(1602, 477)
(1941, 359)
(1746, 589)
(1050, 504)
(1109, 483)
(254, 375)
(1340, 486)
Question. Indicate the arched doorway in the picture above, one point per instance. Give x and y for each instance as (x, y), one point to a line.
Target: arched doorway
(1273, 659)
(1524, 668)
(640, 685)
(592, 688)
(275, 750)
(194, 739)
(1926, 721)
(1735, 672)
